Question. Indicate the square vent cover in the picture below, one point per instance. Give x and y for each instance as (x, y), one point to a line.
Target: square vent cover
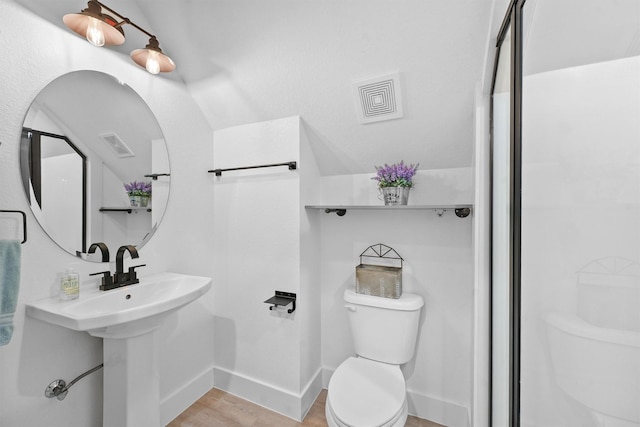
(117, 145)
(378, 99)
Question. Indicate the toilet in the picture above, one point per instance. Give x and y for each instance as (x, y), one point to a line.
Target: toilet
(597, 367)
(369, 390)
(595, 352)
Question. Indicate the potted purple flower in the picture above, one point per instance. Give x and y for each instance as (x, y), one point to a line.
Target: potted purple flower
(139, 193)
(395, 181)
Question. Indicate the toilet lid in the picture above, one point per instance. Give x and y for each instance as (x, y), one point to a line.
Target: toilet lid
(364, 393)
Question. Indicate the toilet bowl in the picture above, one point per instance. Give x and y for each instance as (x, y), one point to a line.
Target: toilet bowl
(598, 367)
(367, 393)
(369, 390)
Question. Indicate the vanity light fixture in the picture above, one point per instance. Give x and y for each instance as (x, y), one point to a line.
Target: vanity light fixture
(101, 29)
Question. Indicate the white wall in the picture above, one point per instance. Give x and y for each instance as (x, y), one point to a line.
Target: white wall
(62, 199)
(482, 268)
(581, 203)
(269, 357)
(40, 353)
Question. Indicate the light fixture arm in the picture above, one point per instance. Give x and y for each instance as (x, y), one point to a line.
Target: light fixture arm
(124, 20)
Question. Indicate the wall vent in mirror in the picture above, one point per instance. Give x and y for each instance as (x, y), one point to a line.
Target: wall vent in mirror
(117, 145)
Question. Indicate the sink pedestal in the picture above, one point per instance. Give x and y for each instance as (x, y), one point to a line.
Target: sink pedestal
(131, 381)
(131, 385)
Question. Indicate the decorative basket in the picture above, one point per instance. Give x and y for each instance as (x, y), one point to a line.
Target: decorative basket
(139, 201)
(394, 196)
(383, 278)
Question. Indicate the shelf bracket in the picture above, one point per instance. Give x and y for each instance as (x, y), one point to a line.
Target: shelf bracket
(462, 212)
(282, 299)
(339, 212)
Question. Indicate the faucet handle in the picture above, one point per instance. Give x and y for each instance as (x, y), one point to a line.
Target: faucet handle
(133, 274)
(107, 280)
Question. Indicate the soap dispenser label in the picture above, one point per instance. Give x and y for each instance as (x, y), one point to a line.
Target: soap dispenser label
(69, 287)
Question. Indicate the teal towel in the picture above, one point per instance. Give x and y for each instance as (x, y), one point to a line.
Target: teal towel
(10, 251)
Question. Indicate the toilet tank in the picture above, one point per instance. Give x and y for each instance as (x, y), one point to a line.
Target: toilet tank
(384, 329)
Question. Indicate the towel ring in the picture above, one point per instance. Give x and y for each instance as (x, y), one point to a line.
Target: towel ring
(24, 223)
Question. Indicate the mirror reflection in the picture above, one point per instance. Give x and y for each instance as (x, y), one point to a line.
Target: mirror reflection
(94, 163)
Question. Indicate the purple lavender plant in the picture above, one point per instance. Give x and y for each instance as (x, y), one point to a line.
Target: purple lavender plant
(396, 175)
(136, 188)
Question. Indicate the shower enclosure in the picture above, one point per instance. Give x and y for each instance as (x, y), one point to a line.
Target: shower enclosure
(566, 215)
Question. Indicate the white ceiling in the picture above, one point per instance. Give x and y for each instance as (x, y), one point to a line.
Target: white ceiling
(252, 60)
(568, 33)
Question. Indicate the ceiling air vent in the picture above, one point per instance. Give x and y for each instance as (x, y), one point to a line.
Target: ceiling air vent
(116, 145)
(378, 99)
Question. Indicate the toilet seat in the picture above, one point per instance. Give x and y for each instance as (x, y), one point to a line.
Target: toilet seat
(365, 393)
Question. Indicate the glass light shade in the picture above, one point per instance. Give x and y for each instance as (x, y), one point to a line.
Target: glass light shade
(152, 65)
(95, 35)
(154, 61)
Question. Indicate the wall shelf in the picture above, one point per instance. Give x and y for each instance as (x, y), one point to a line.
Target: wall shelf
(128, 209)
(461, 211)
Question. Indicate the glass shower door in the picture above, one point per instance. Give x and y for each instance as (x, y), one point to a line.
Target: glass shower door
(580, 241)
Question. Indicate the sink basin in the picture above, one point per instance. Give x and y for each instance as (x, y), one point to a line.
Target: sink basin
(127, 311)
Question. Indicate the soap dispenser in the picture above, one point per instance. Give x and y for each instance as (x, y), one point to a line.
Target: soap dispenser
(69, 285)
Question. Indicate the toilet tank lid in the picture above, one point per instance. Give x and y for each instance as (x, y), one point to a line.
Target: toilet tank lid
(406, 302)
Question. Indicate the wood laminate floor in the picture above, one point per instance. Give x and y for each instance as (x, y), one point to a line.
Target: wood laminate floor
(220, 409)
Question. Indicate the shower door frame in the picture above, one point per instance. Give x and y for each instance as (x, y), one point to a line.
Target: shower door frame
(513, 21)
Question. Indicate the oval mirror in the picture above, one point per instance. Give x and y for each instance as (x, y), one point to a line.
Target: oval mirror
(86, 138)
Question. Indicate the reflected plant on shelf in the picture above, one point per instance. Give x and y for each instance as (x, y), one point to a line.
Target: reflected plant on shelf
(139, 193)
(395, 181)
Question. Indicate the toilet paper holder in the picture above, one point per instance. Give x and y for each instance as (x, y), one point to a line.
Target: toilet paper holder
(282, 299)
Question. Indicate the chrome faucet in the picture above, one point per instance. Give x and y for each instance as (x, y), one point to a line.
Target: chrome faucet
(119, 277)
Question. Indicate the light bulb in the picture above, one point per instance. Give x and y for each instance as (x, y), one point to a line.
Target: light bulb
(152, 65)
(95, 35)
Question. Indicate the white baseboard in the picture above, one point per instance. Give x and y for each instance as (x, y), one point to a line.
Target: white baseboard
(439, 411)
(269, 396)
(174, 404)
(311, 392)
(426, 407)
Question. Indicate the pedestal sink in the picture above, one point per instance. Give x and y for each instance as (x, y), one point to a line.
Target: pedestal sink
(127, 319)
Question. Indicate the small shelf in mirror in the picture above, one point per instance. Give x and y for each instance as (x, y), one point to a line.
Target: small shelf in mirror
(129, 209)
